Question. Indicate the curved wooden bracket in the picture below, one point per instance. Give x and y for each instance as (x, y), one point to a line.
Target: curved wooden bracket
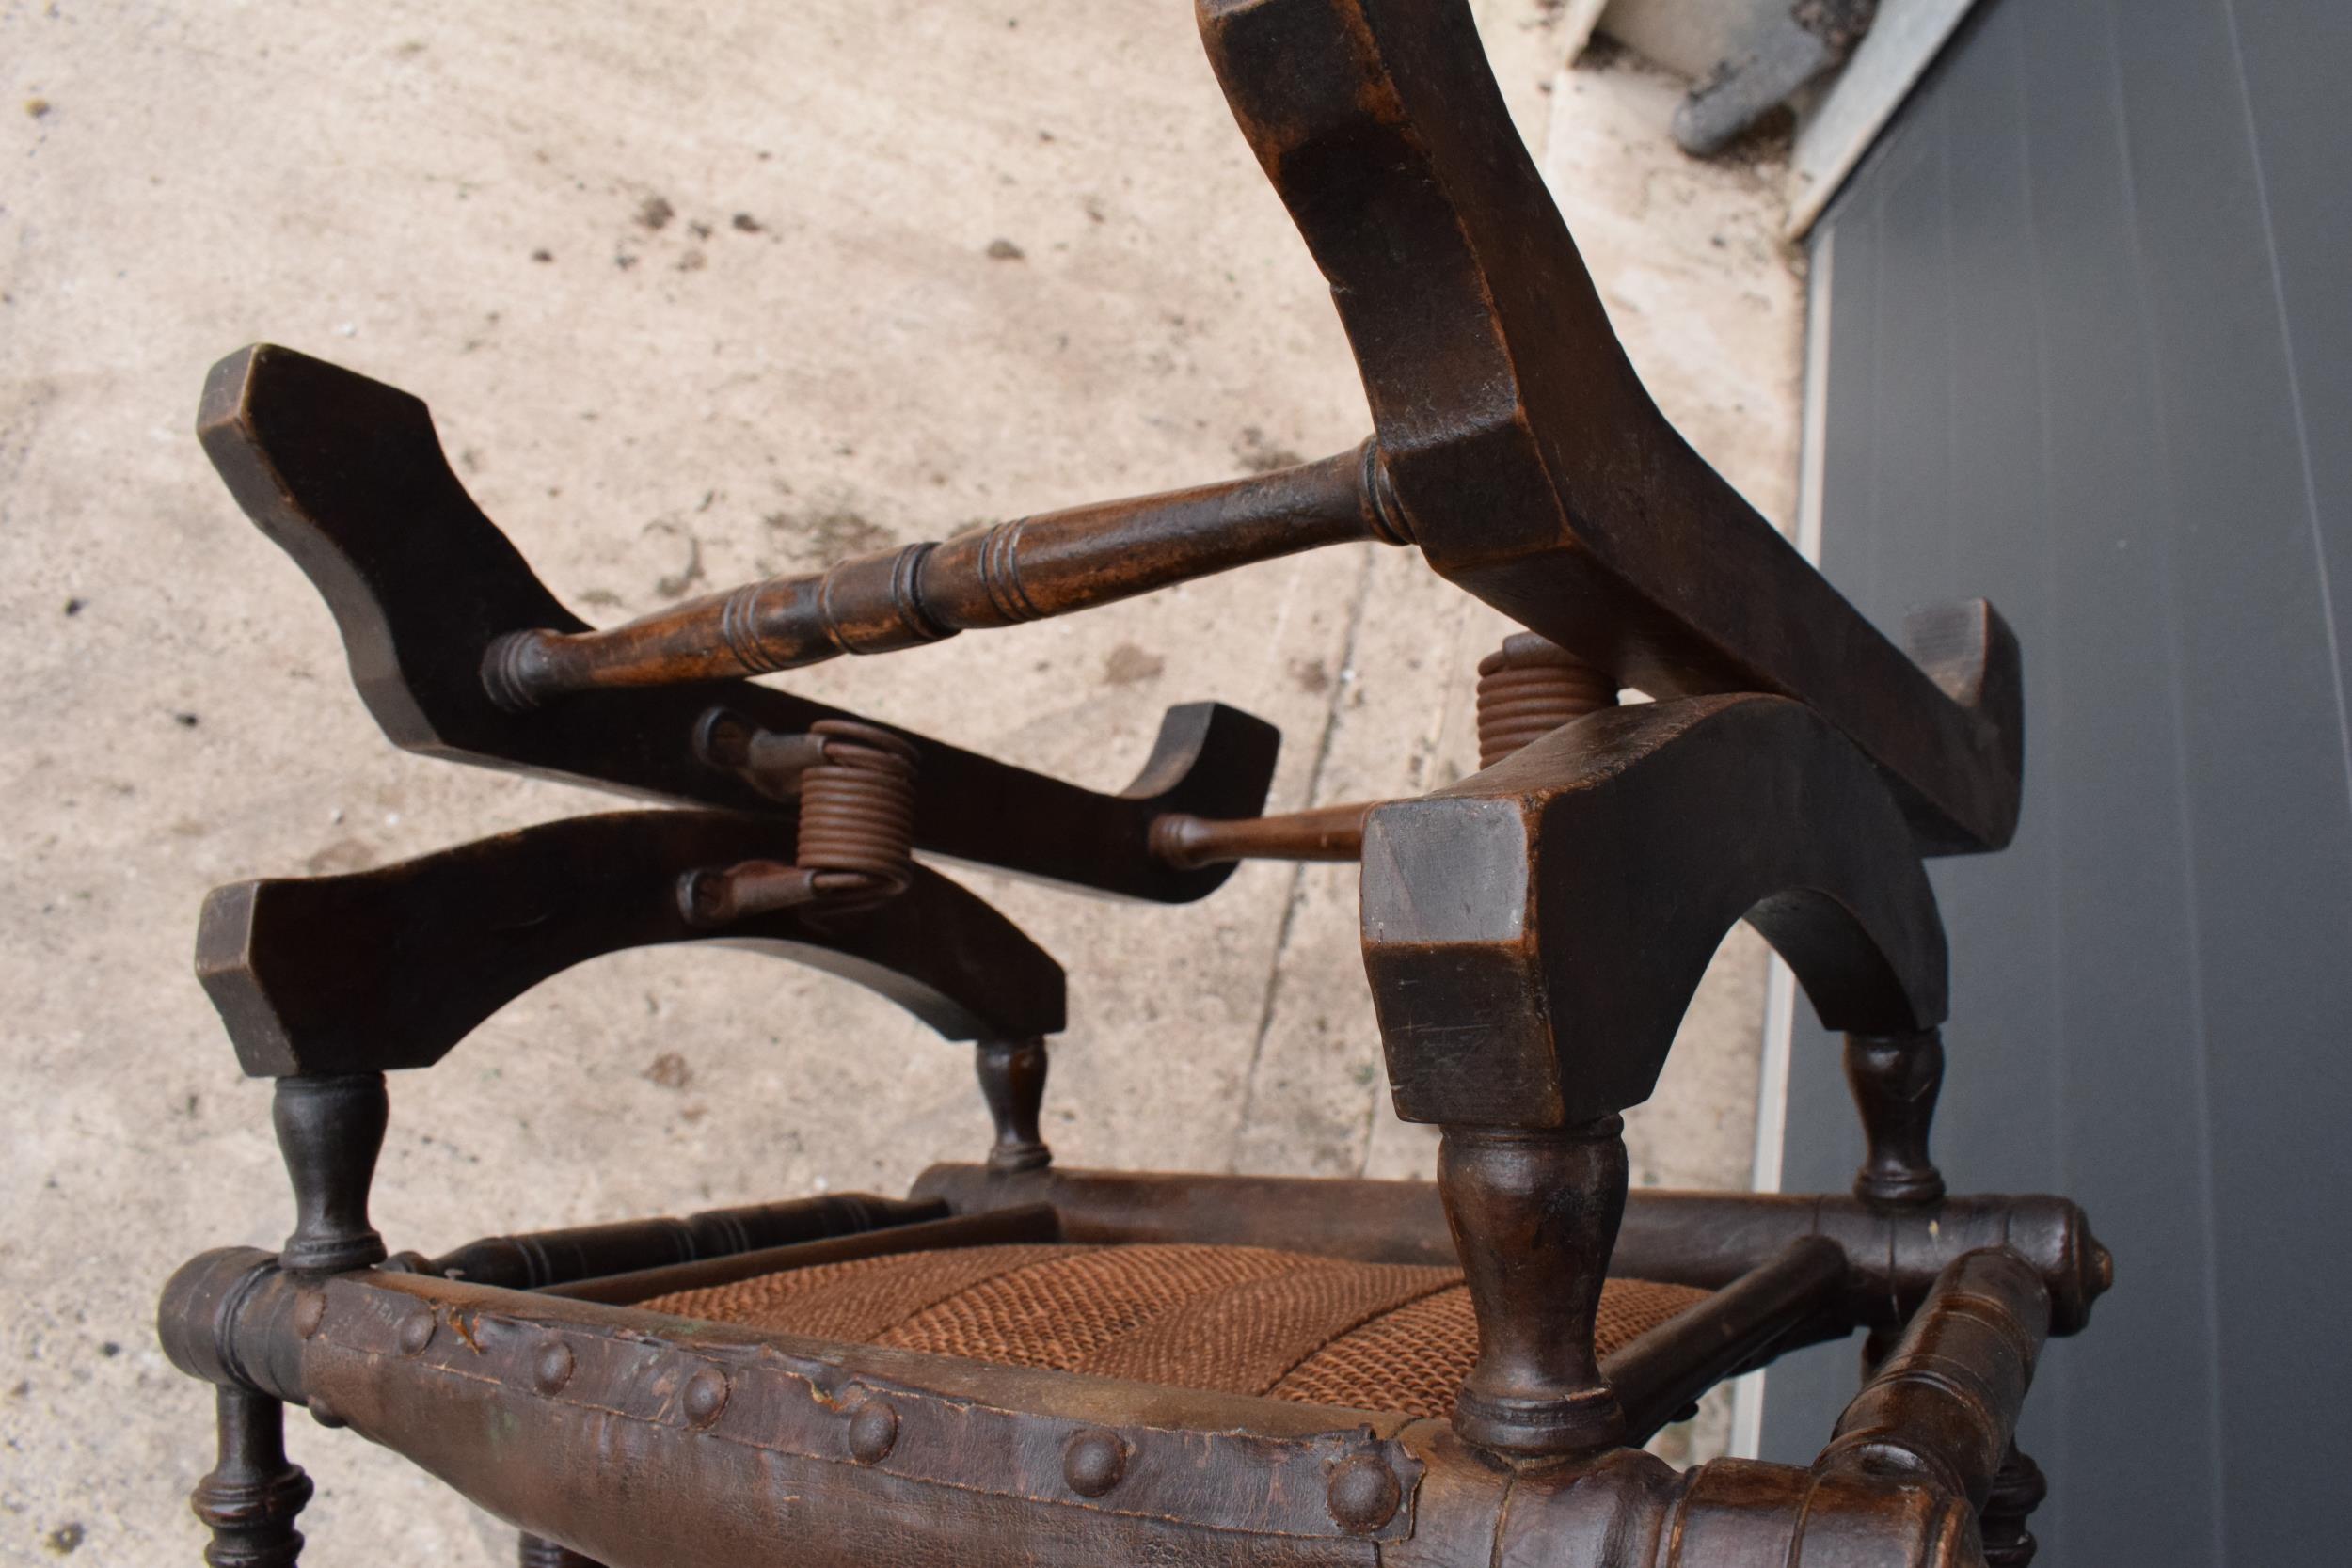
(346, 475)
(391, 968)
(1535, 933)
(1528, 462)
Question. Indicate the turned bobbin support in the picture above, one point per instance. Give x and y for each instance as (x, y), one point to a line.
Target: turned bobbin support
(2018, 1488)
(251, 1498)
(1013, 1082)
(330, 1129)
(1535, 1217)
(1895, 1080)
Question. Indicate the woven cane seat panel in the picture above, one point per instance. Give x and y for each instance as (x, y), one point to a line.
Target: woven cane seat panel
(1231, 1318)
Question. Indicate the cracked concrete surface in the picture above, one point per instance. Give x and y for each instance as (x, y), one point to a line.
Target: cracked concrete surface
(698, 294)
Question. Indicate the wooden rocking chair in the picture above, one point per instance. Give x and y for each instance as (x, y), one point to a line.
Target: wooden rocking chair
(1021, 1364)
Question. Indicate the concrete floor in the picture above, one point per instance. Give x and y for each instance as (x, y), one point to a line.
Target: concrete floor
(701, 293)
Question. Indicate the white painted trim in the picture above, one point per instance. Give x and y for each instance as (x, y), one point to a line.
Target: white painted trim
(1813, 419)
(1780, 984)
(1772, 1100)
(1903, 41)
(1772, 1126)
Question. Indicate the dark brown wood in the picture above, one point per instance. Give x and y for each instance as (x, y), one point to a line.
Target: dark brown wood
(1534, 1214)
(1372, 1222)
(751, 1440)
(330, 1129)
(1012, 1082)
(208, 1302)
(1895, 1079)
(1023, 570)
(1002, 1228)
(1894, 1256)
(1527, 965)
(250, 1499)
(1711, 1239)
(2018, 1489)
(321, 975)
(1515, 446)
(1324, 833)
(1532, 936)
(535, 1259)
(1219, 1474)
(1528, 462)
(346, 475)
(1946, 1401)
(1750, 1516)
(1791, 1300)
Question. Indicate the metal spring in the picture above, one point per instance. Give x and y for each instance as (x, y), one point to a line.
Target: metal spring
(1529, 687)
(857, 811)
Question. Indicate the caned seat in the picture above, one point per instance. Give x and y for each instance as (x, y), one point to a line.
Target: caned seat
(1235, 1319)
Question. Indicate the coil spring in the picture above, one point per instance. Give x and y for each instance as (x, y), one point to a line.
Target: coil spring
(857, 811)
(1529, 687)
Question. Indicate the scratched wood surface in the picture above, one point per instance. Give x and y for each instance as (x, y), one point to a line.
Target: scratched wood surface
(696, 299)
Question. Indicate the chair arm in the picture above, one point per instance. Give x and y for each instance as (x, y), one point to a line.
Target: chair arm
(390, 968)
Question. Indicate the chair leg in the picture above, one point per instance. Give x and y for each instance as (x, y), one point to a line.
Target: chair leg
(2018, 1489)
(1013, 1081)
(1895, 1080)
(1535, 1215)
(251, 1497)
(533, 1552)
(330, 1129)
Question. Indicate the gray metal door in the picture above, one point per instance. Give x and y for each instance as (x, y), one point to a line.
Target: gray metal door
(2090, 355)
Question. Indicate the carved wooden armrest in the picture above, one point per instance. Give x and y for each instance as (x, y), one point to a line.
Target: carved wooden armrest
(1534, 935)
(346, 475)
(328, 983)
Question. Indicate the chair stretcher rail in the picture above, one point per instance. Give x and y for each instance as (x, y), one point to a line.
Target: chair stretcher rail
(1023, 570)
(1706, 1239)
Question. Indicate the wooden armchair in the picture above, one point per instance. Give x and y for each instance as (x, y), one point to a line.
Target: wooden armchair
(1020, 1364)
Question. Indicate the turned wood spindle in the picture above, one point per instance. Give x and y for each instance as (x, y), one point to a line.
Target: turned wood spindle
(2018, 1488)
(1535, 1216)
(1895, 1080)
(251, 1498)
(1023, 570)
(330, 1129)
(1013, 1081)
